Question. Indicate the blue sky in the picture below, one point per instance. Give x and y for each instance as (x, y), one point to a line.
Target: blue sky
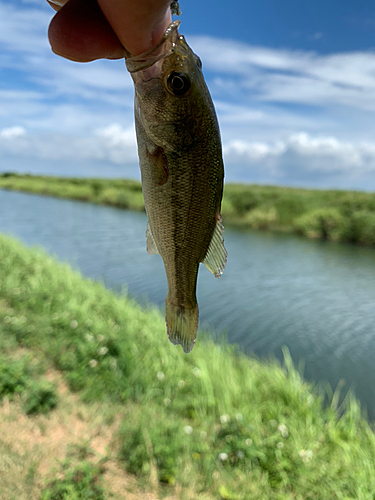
(293, 83)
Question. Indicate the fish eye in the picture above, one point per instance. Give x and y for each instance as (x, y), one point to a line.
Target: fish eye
(178, 83)
(198, 61)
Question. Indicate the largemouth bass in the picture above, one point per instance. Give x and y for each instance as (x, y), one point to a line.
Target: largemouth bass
(182, 171)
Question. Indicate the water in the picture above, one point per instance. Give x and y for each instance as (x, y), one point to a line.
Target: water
(315, 297)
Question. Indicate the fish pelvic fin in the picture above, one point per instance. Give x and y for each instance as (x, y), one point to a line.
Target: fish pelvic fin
(152, 249)
(216, 256)
(182, 325)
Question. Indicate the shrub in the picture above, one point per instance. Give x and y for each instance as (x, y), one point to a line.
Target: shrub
(325, 223)
(76, 192)
(149, 439)
(38, 397)
(243, 200)
(122, 197)
(360, 228)
(96, 188)
(136, 201)
(289, 207)
(13, 377)
(352, 202)
(78, 482)
(261, 219)
(41, 397)
(227, 208)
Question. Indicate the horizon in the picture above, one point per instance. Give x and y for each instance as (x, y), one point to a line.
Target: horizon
(245, 183)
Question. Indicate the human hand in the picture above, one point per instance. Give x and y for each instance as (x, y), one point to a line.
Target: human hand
(84, 30)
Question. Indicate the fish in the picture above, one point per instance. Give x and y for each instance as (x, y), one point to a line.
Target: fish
(182, 172)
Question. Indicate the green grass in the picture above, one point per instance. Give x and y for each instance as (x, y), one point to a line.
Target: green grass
(347, 216)
(214, 424)
(18, 377)
(40, 398)
(118, 193)
(76, 482)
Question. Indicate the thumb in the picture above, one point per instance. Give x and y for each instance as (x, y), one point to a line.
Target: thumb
(80, 31)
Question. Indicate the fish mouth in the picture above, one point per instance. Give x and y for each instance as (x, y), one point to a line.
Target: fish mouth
(155, 54)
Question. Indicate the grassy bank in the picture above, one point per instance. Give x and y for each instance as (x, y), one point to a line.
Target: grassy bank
(212, 425)
(347, 216)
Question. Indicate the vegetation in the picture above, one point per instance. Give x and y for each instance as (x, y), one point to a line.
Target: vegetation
(76, 482)
(118, 193)
(13, 377)
(214, 424)
(40, 398)
(347, 216)
(17, 377)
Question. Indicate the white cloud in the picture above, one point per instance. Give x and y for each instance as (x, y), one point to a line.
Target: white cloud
(12, 132)
(117, 136)
(24, 29)
(316, 36)
(254, 150)
(319, 154)
(25, 49)
(326, 147)
(116, 145)
(119, 144)
(230, 56)
(101, 81)
(112, 144)
(233, 113)
(292, 76)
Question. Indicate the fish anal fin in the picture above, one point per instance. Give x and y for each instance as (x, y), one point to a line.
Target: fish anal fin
(152, 249)
(216, 256)
(182, 325)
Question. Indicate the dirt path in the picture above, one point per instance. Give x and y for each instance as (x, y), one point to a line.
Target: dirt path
(30, 447)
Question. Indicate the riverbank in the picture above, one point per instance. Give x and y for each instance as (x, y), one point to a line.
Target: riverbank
(213, 424)
(347, 216)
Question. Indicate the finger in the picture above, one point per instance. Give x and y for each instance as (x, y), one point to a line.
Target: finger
(80, 31)
(138, 24)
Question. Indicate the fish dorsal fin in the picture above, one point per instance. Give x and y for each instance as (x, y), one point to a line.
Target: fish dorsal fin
(152, 249)
(216, 256)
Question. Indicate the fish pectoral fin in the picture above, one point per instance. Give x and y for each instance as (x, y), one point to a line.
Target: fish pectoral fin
(216, 256)
(152, 249)
(173, 137)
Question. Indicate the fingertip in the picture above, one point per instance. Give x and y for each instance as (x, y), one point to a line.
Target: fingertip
(138, 25)
(80, 32)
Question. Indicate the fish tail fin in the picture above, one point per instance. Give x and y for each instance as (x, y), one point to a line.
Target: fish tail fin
(182, 325)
